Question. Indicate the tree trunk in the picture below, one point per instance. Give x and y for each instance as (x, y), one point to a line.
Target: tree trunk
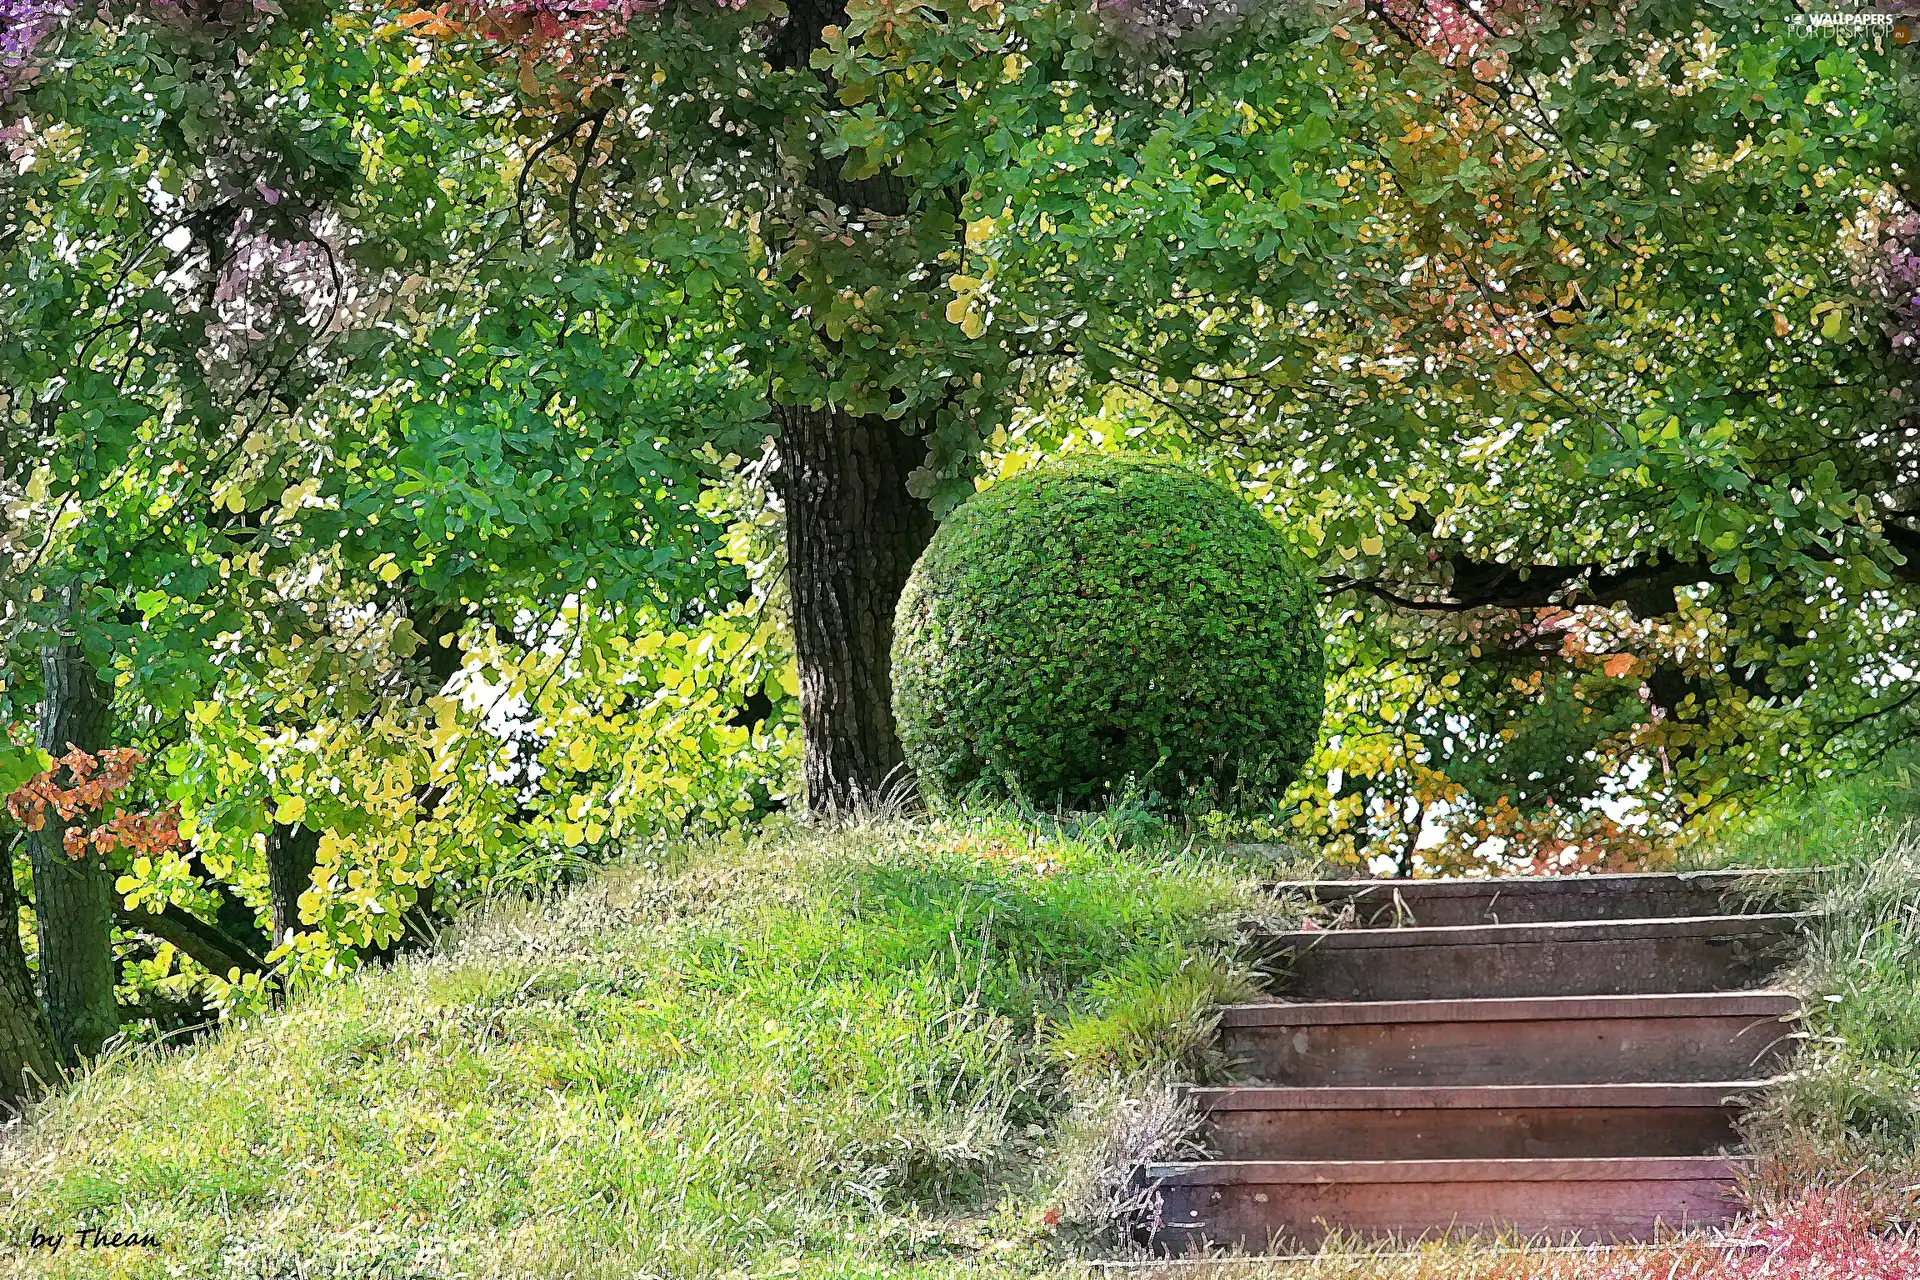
(27, 1058)
(853, 534)
(291, 851)
(73, 898)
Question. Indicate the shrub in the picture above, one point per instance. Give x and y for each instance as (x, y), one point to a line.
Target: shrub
(1090, 623)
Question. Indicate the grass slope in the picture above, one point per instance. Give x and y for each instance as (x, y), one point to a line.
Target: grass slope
(844, 1055)
(894, 1051)
(1852, 1114)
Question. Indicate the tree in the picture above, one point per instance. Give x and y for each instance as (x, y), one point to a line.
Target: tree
(313, 487)
(1545, 333)
(73, 890)
(28, 1059)
(810, 175)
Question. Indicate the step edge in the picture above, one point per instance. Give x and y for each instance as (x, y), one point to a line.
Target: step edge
(1518, 1171)
(1448, 887)
(1759, 1004)
(1540, 931)
(1651, 1095)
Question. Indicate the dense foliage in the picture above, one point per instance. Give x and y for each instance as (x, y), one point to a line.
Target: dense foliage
(399, 552)
(1575, 344)
(387, 392)
(1104, 623)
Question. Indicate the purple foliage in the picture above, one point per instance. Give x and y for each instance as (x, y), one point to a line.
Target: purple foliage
(23, 25)
(281, 280)
(1896, 282)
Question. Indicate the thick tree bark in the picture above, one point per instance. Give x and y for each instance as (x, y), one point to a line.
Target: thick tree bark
(853, 534)
(73, 898)
(290, 858)
(27, 1058)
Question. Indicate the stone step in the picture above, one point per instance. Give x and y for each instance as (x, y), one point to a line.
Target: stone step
(1567, 958)
(1276, 1205)
(1475, 1122)
(1538, 899)
(1542, 1040)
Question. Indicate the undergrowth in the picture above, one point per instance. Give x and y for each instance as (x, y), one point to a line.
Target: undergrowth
(1850, 1115)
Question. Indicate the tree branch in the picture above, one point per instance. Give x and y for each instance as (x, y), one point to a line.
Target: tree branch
(1646, 589)
(210, 947)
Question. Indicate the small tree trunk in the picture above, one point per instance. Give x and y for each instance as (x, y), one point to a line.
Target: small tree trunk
(73, 898)
(27, 1058)
(291, 852)
(853, 534)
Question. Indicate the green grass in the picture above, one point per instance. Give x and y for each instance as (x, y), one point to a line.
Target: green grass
(905, 1050)
(1845, 820)
(1852, 1113)
(812, 1055)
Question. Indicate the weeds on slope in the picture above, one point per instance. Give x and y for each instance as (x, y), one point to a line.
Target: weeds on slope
(821, 1054)
(1850, 1113)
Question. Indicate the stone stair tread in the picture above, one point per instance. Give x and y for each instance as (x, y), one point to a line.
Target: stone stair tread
(1479, 935)
(1766, 1003)
(1606, 882)
(1561, 1058)
(1637, 956)
(1247, 1097)
(1558, 1169)
(1394, 904)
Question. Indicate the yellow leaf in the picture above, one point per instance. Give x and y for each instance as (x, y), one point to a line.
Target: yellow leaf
(958, 309)
(1372, 544)
(974, 325)
(290, 810)
(1830, 327)
(389, 571)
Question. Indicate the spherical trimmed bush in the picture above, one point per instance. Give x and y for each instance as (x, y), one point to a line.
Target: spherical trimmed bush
(1103, 620)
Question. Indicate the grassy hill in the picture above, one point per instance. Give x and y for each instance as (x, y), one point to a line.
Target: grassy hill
(851, 1055)
(904, 1050)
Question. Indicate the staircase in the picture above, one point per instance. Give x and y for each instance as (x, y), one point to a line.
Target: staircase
(1561, 1059)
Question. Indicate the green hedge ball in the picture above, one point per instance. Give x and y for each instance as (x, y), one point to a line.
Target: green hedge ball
(1104, 621)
